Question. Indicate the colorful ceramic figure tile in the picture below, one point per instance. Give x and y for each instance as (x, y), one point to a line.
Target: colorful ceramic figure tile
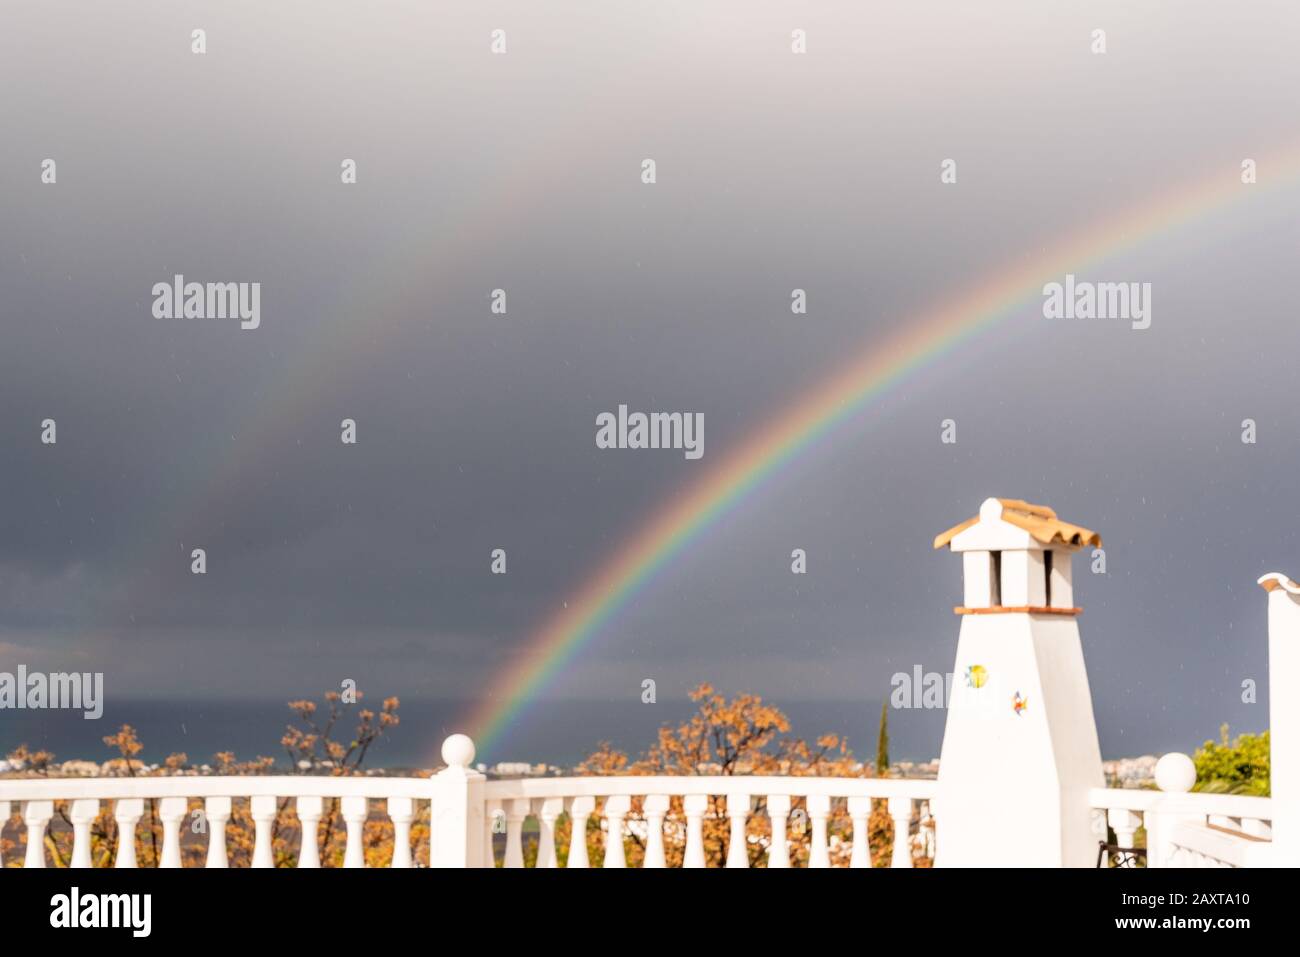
(1019, 703)
(976, 676)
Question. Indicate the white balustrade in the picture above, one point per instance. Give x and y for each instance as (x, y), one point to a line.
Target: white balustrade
(673, 814)
(1183, 828)
(171, 797)
(1186, 828)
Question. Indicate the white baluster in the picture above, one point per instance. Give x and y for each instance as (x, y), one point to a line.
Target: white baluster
(4, 819)
(36, 814)
(492, 812)
(401, 811)
(694, 806)
(580, 811)
(738, 807)
(263, 808)
(1125, 824)
(900, 809)
(355, 811)
(127, 812)
(548, 812)
(819, 809)
(860, 813)
(656, 809)
(310, 810)
(217, 811)
(778, 811)
(617, 807)
(516, 812)
(84, 812)
(171, 810)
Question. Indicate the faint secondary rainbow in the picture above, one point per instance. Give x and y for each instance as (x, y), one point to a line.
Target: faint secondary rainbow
(883, 364)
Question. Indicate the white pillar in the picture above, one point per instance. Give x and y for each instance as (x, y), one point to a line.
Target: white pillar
(1175, 774)
(1284, 716)
(456, 815)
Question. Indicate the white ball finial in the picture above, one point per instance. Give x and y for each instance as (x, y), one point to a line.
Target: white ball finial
(458, 751)
(1175, 773)
(990, 510)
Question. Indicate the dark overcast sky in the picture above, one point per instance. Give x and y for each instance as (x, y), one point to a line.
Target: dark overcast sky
(477, 431)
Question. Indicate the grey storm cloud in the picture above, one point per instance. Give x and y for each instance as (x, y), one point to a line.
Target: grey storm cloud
(476, 431)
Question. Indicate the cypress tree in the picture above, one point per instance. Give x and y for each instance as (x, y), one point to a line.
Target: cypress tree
(882, 743)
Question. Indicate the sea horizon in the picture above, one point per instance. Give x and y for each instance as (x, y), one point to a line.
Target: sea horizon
(551, 732)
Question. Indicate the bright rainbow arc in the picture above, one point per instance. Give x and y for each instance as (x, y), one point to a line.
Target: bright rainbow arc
(817, 412)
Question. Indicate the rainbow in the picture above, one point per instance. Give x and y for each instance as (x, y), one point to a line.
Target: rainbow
(833, 401)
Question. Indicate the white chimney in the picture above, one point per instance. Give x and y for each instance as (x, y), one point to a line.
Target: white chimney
(1020, 747)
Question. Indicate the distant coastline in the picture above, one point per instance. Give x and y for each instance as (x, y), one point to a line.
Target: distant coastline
(559, 733)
